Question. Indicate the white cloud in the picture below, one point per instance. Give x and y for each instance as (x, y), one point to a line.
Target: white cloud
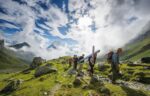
(111, 20)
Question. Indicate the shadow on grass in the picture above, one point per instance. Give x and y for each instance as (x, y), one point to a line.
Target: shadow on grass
(132, 92)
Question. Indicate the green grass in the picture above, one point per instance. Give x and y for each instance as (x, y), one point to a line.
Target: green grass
(32, 86)
(9, 63)
(136, 50)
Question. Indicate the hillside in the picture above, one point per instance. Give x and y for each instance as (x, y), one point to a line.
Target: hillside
(8, 61)
(62, 83)
(138, 48)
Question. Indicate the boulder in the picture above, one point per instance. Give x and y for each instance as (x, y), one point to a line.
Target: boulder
(44, 70)
(95, 80)
(37, 61)
(145, 60)
(102, 67)
(72, 72)
(12, 86)
(77, 82)
(26, 71)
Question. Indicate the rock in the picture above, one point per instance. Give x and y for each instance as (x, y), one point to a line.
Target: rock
(72, 71)
(80, 74)
(77, 82)
(44, 70)
(13, 85)
(85, 87)
(96, 81)
(27, 71)
(130, 63)
(145, 60)
(141, 74)
(104, 90)
(37, 61)
(102, 67)
(147, 68)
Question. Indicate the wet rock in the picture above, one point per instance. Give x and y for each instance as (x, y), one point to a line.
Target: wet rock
(44, 70)
(37, 61)
(12, 86)
(145, 60)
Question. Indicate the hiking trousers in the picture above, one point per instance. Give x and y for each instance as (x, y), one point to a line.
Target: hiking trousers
(115, 70)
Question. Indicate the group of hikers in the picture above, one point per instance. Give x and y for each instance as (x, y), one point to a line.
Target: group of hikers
(112, 58)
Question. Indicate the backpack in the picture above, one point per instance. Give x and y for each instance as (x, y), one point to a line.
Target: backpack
(109, 57)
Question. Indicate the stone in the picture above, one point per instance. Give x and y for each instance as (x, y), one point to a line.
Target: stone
(145, 60)
(130, 63)
(94, 79)
(72, 72)
(12, 86)
(77, 82)
(102, 67)
(147, 68)
(85, 87)
(37, 61)
(44, 70)
(27, 71)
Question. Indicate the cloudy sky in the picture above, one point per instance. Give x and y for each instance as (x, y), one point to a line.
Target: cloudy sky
(72, 26)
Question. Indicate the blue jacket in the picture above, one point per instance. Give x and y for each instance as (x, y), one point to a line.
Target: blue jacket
(115, 58)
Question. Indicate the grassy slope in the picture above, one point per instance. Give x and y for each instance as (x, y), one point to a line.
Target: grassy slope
(136, 50)
(10, 62)
(35, 87)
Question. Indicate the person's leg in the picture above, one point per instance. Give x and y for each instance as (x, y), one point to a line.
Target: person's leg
(75, 66)
(114, 74)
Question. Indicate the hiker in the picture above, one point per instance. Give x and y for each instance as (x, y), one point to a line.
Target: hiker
(70, 62)
(75, 62)
(81, 61)
(115, 65)
(92, 61)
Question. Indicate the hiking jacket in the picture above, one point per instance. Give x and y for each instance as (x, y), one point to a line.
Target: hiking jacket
(115, 58)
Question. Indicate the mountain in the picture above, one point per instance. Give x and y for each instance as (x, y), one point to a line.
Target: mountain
(20, 45)
(9, 62)
(138, 47)
(52, 46)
